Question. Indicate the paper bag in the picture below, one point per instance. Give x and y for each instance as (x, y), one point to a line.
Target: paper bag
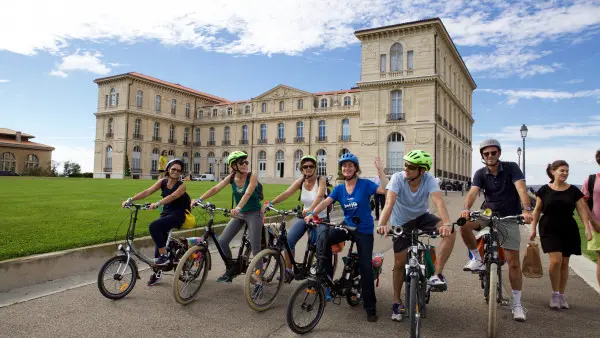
(532, 262)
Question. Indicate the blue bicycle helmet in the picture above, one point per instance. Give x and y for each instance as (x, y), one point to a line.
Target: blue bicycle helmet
(348, 157)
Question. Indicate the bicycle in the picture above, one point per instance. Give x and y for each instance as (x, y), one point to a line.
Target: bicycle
(256, 274)
(416, 272)
(348, 285)
(492, 275)
(197, 259)
(175, 249)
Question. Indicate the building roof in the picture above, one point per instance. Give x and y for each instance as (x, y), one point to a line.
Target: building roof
(6, 131)
(165, 83)
(24, 144)
(398, 25)
(342, 91)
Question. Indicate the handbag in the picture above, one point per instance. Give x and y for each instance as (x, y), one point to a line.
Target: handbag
(190, 220)
(532, 262)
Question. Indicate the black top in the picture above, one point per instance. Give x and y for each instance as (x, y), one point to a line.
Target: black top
(177, 205)
(499, 191)
(558, 207)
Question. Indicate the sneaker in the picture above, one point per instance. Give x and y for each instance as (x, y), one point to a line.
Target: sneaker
(154, 278)
(563, 302)
(474, 265)
(328, 296)
(438, 281)
(398, 311)
(226, 277)
(372, 317)
(162, 260)
(519, 312)
(555, 302)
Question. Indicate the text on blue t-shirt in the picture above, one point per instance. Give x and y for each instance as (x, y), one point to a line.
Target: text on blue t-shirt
(357, 204)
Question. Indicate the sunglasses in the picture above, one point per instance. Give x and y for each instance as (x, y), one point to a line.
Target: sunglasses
(175, 170)
(411, 166)
(242, 162)
(490, 153)
(308, 167)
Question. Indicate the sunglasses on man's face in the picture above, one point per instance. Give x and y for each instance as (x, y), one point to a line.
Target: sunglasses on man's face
(490, 153)
(410, 166)
(308, 166)
(243, 162)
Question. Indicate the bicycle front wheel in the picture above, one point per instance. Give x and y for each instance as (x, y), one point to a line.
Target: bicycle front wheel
(264, 279)
(305, 307)
(492, 300)
(190, 274)
(117, 277)
(415, 308)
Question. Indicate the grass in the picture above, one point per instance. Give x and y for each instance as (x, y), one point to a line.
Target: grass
(41, 215)
(590, 254)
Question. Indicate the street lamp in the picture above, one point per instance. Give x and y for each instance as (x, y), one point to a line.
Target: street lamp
(519, 156)
(524, 135)
(218, 172)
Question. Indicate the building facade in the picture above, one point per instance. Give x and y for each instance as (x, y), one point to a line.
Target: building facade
(19, 155)
(414, 92)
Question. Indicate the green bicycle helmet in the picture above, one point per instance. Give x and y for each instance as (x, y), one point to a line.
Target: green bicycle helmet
(236, 155)
(308, 158)
(420, 158)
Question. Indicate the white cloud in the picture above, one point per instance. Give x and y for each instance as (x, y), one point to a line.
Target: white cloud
(571, 130)
(116, 64)
(291, 27)
(513, 96)
(4, 81)
(81, 62)
(81, 155)
(574, 81)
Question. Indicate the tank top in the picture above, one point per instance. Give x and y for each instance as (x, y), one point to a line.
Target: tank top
(253, 203)
(178, 205)
(309, 196)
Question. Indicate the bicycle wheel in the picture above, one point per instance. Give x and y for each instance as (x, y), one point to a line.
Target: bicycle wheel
(309, 299)
(264, 279)
(414, 307)
(492, 300)
(190, 274)
(116, 277)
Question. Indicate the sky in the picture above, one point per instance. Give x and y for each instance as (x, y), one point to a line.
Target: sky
(534, 62)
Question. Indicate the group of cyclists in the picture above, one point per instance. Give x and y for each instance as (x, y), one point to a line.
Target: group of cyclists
(407, 204)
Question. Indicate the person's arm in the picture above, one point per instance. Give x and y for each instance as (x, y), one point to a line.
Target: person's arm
(539, 204)
(166, 200)
(141, 195)
(386, 213)
(288, 192)
(438, 200)
(584, 215)
(381, 174)
(215, 189)
(525, 202)
(322, 206)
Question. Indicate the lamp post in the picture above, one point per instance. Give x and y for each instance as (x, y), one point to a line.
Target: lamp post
(218, 176)
(524, 135)
(519, 156)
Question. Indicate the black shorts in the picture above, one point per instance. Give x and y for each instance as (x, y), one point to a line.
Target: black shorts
(426, 222)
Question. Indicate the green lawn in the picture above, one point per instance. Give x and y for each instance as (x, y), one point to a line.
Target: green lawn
(590, 254)
(48, 214)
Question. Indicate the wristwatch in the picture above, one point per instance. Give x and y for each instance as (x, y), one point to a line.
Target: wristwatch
(528, 208)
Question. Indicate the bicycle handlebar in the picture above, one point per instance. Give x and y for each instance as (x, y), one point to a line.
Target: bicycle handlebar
(294, 211)
(316, 222)
(210, 207)
(474, 215)
(398, 230)
(145, 206)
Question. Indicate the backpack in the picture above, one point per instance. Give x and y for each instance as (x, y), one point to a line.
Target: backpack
(590, 188)
(327, 192)
(258, 189)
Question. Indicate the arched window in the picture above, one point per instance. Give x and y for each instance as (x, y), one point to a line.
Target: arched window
(197, 163)
(8, 162)
(226, 131)
(281, 105)
(396, 105)
(245, 133)
(173, 106)
(347, 101)
(225, 169)
(300, 104)
(31, 162)
(324, 102)
(114, 97)
(137, 127)
(279, 163)
(247, 109)
(139, 98)
(395, 152)
(343, 151)
(396, 57)
(322, 162)
(345, 130)
(136, 162)
(262, 163)
(297, 156)
(154, 163)
(263, 108)
(108, 162)
(211, 162)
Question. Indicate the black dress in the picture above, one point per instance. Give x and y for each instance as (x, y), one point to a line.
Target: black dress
(558, 228)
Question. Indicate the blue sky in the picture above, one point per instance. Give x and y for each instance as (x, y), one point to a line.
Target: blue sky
(534, 63)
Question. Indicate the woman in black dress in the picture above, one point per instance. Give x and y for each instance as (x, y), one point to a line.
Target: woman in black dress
(559, 233)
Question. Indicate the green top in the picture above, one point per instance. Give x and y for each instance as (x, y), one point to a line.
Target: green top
(253, 203)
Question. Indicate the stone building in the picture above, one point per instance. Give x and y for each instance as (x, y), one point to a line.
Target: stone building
(18, 154)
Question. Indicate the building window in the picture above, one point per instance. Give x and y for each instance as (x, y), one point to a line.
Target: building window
(227, 134)
(114, 98)
(173, 106)
(137, 127)
(247, 109)
(410, 59)
(347, 101)
(8, 162)
(395, 153)
(200, 114)
(211, 134)
(324, 102)
(186, 135)
(211, 162)
(108, 163)
(197, 163)
(154, 163)
(186, 162)
(31, 162)
(322, 162)
(139, 98)
(157, 103)
(172, 132)
(345, 130)
(171, 155)
(344, 151)
(263, 108)
(156, 130)
(188, 109)
(229, 111)
(396, 113)
(197, 137)
(281, 131)
(396, 57)
(299, 129)
(322, 130)
(225, 167)
(136, 158)
(245, 133)
(215, 112)
(263, 132)
(262, 163)
(382, 63)
(110, 125)
(106, 101)
(300, 104)
(281, 105)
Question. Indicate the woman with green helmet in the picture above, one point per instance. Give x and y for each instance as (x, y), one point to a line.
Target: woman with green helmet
(312, 191)
(248, 208)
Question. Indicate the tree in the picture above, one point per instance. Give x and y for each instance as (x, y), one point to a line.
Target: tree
(54, 168)
(71, 169)
(127, 169)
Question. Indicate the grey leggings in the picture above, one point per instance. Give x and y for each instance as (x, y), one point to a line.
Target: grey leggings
(255, 230)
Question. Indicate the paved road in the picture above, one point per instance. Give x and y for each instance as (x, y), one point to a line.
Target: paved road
(221, 311)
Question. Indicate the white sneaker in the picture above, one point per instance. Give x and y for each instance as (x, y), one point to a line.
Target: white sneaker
(555, 302)
(519, 312)
(563, 302)
(474, 265)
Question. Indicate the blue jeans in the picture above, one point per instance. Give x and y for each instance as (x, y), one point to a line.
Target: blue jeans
(364, 244)
(296, 231)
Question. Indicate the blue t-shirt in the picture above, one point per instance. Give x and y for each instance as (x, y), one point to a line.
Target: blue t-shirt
(499, 191)
(357, 203)
(410, 205)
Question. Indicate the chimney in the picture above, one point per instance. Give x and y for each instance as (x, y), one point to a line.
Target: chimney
(18, 136)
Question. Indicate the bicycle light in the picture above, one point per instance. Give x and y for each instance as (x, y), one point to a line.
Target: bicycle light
(413, 262)
(120, 247)
(313, 270)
